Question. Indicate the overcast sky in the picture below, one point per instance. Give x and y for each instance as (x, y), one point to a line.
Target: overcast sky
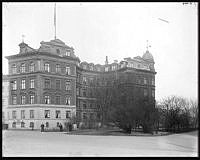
(117, 30)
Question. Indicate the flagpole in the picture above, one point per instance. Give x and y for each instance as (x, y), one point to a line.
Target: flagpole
(55, 19)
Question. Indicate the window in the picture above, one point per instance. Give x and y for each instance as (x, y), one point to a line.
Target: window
(14, 125)
(14, 85)
(58, 115)
(106, 69)
(98, 69)
(84, 116)
(46, 99)
(47, 83)
(153, 81)
(23, 84)
(31, 113)
(145, 92)
(67, 70)
(84, 92)
(22, 68)
(23, 99)
(22, 124)
(47, 124)
(47, 113)
(32, 83)
(84, 106)
(31, 125)
(32, 67)
(14, 99)
(145, 81)
(91, 116)
(130, 65)
(153, 93)
(58, 124)
(77, 91)
(14, 116)
(68, 85)
(138, 80)
(32, 99)
(57, 51)
(57, 99)
(91, 68)
(68, 53)
(68, 100)
(68, 114)
(22, 114)
(57, 84)
(46, 67)
(58, 69)
(14, 69)
(84, 80)
(114, 67)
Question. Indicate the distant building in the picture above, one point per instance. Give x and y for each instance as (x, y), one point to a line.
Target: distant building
(49, 85)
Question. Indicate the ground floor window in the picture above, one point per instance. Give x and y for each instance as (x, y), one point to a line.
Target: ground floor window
(47, 124)
(22, 124)
(31, 125)
(14, 125)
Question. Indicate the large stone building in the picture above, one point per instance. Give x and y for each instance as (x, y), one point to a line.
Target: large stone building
(5, 97)
(50, 85)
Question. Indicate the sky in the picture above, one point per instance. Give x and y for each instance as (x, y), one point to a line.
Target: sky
(117, 30)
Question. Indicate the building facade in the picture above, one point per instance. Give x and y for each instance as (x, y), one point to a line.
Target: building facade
(5, 98)
(50, 85)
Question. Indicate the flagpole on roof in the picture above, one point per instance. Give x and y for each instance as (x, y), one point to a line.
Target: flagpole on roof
(55, 19)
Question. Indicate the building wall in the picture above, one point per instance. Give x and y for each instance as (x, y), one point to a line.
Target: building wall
(5, 99)
(137, 75)
(39, 115)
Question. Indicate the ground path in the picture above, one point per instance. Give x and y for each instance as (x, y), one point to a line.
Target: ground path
(35, 143)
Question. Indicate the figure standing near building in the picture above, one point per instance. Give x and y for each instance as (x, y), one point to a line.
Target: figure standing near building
(42, 127)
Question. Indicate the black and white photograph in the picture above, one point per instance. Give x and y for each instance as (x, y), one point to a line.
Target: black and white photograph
(100, 79)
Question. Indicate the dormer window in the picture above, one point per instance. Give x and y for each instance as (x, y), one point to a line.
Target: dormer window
(68, 53)
(91, 68)
(114, 67)
(98, 69)
(106, 69)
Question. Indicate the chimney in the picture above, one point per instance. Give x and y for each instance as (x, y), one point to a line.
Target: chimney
(106, 62)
